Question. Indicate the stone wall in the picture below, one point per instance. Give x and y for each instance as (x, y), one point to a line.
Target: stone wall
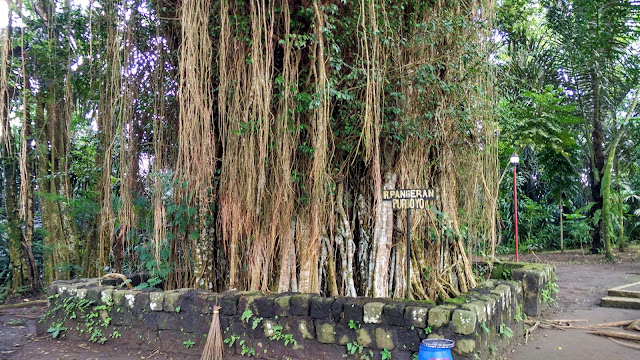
(286, 326)
(538, 283)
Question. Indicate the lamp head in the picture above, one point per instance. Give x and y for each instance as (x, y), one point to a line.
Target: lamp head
(515, 159)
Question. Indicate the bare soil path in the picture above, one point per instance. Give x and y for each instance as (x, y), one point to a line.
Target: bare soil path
(582, 281)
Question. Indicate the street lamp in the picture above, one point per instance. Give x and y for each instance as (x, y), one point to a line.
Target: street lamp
(515, 160)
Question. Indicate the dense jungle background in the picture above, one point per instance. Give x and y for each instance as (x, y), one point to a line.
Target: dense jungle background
(228, 144)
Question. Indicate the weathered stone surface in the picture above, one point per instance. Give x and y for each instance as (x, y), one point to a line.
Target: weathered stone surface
(81, 293)
(353, 310)
(363, 336)
(464, 321)
(281, 305)
(384, 338)
(407, 339)
(393, 314)
(229, 303)
(141, 302)
(415, 316)
(170, 300)
(300, 304)
(314, 322)
(321, 307)
(264, 306)
(106, 296)
(325, 331)
(130, 298)
(480, 308)
(344, 335)
(439, 316)
(268, 326)
(118, 297)
(337, 308)
(465, 346)
(156, 301)
(372, 313)
(306, 329)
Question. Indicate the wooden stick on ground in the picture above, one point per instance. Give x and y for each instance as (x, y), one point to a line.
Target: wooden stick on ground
(614, 324)
(529, 331)
(616, 334)
(25, 304)
(627, 344)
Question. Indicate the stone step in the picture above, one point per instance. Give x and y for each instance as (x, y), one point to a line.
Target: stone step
(620, 302)
(628, 291)
(623, 293)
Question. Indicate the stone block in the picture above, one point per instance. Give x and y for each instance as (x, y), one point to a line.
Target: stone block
(481, 309)
(170, 300)
(300, 304)
(264, 306)
(106, 296)
(464, 321)
(81, 293)
(325, 332)
(142, 302)
(156, 301)
(229, 303)
(353, 310)
(129, 299)
(393, 314)
(321, 307)
(407, 339)
(415, 316)
(268, 327)
(197, 301)
(337, 308)
(281, 305)
(439, 316)
(465, 346)
(118, 297)
(363, 336)
(384, 338)
(372, 313)
(306, 329)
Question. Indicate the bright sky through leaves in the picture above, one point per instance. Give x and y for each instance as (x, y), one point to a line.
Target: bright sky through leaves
(4, 14)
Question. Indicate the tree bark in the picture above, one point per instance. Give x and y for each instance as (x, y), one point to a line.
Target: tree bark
(561, 230)
(18, 269)
(27, 199)
(383, 240)
(595, 175)
(621, 244)
(606, 196)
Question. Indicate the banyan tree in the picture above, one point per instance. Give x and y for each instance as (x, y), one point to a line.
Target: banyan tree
(246, 144)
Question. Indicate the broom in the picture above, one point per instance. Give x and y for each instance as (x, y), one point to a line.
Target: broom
(213, 347)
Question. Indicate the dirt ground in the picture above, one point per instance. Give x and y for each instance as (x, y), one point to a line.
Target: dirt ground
(582, 280)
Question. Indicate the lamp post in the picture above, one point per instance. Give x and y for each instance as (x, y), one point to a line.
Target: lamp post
(515, 159)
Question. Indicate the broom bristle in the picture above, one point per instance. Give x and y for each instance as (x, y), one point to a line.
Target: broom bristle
(213, 347)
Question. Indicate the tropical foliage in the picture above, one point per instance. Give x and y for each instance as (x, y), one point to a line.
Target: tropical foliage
(246, 144)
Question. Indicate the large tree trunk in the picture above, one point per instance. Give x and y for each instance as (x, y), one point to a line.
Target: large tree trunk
(606, 196)
(595, 175)
(18, 268)
(621, 244)
(27, 198)
(383, 240)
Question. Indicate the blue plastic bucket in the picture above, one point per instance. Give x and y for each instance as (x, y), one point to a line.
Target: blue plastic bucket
(435, 349)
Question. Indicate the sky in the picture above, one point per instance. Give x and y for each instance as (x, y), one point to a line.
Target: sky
(4, 14)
